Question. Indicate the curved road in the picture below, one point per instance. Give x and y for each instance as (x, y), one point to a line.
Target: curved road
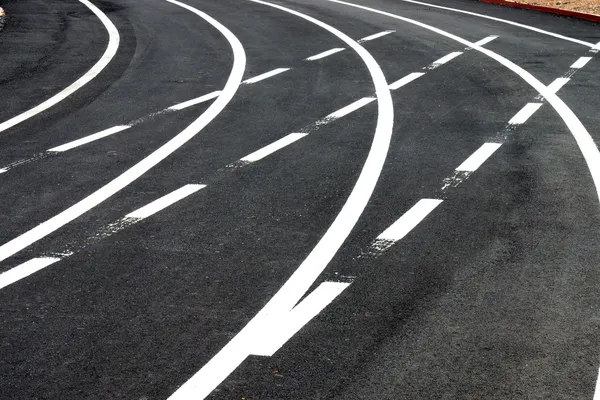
(298, 199)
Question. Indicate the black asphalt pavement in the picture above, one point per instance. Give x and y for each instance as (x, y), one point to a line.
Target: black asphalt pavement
(493, 294)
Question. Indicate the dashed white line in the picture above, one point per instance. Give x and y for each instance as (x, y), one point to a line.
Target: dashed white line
(197, 100)
(525, 113)
(407, 79)
(375, 36)
(557, 84)
(407, 222)
(273, 147)
(266, 75)
(581, 62)
(446, 58)
(24, 270)
(109, 53)
(477, 159)
(325, 54)
(164, 202)
(350, 108)
(90, 138)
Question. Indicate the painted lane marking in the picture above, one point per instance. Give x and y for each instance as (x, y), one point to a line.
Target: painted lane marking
(89, 139)
(164, 202)
(581, 62)
(407, 79)
(525, 113)
(477, 159)
(273, 147)
(486, 40)
(350, 108)
(445, 59)
(375, 36)
(109, 53)
(201, 384)
(36, 264)
(266, 75)
(197, 100)
(3, 170)
(239, 61)
(325, 54)
(24, 270)
(557, 84)
(276, 333)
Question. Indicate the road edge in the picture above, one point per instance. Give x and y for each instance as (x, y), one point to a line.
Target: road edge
(552, 10)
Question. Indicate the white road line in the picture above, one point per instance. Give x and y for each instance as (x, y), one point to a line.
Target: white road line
(273, 147)
(109, 53)
(264, 76)
(3, 170)
(525, 113)
(325, 54)
(238, 349)
(558, 84)
(90, 138)
(375, 36)
(407, 222)
(239, 61)
(581, 62)
(486, 40)
(24, 270)
(477, 159)
(446, 58)
(350, 108)
(164, 202)
(195, 101)
(407, 79)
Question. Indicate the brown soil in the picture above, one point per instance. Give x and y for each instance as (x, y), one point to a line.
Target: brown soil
(585, 6)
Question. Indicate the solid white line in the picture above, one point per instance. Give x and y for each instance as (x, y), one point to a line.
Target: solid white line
(584, 140)
(558, 84)
(277, 331)
(525, 113)
(273, 147)
(350, 108)
(266, 75)
(409, 220)
(164, 202)
(479, 157)
(90, 138)
(237, 350)
(129, 176)
(486, 40)
(407, 79)
(24, 270)
(325, 54)
(109, 53)
(597, 389)
(195, 101)
(447, 58)
(581, 62)
(375, 36)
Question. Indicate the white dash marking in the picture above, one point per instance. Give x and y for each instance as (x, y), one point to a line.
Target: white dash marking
(581, 62)
(273, 147)
(3, 170)
(486, 40)
(409, 220)
(164, 202)
(479, 157)
(195, 101)
(350, 108)
(526, 112)
(558, 84)
(264, 76)
(90, 138)
(24, 270)
(447, 58)
(407, 79)
(375, 36)
(597, 390)
(325, 54)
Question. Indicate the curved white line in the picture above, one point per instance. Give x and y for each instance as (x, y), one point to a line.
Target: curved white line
(236, 351)
(505, 21)
(233, 82)
(582, 137)
(109, 53)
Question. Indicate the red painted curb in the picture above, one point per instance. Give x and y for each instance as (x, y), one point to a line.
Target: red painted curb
(586, 16)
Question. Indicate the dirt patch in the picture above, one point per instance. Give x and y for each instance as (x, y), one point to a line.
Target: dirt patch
(584, 6)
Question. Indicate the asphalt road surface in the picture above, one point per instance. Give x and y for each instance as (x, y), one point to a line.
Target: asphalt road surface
(298, 199)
